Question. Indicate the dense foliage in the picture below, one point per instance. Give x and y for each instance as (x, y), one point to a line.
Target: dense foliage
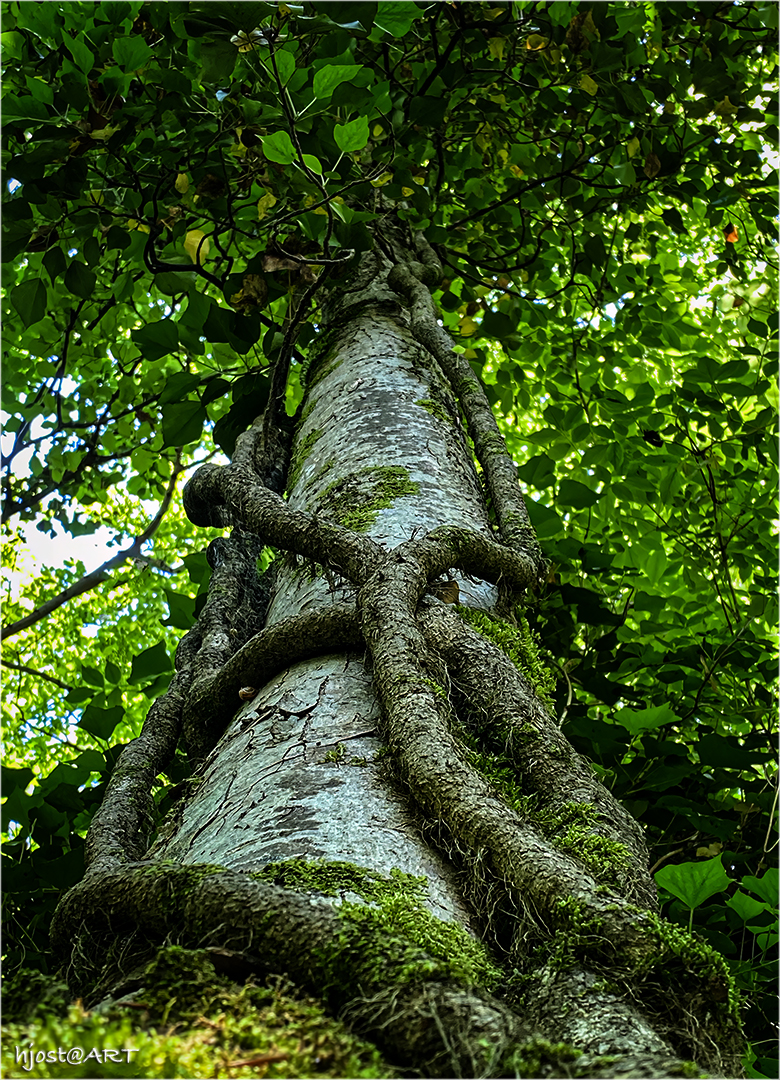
(598, 182)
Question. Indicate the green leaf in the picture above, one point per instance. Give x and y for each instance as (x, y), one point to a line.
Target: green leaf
(726, 752)
(80, 53)
(545, 521)
(328, 78)
(285, 64)
(766, 886)
(29, 298)
(112, 675)
(179, 386)
(538, 471)
(694, 882)
(181, 610)
(23, 108)
(156, 340)
(54, 262)
(182, 422)
(93, 677)
(352, 136)
(397, 17)
(279, 148)
(63, 872)
(746, 906)
(101, 722)
(80, 280)
(673, 219)
(12, 45)
(250, 394)
(218, 58)
(578, 496)
(638, 720)
(173, 282)
(150, 663)
(130, 53)
(15, 778)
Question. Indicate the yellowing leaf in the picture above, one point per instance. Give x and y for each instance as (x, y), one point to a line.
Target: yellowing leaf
(96, 198)
(101, 134)
(652, 166)
(182, 183)
(196, 244)
(467, 327)
(133, 224)
(536, 41)
(589, 27)
(524, 275)
(470, 354)
(264, 203)
(723, 108)
(516, 171)
(588, 85)
(633, 146)
(407, 191)
(377, 130)
(418, 180)
(380, 181)
(496, 47)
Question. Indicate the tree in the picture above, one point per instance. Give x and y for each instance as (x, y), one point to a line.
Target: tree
(425, 740)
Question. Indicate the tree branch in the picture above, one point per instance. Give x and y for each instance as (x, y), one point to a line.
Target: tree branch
(97, 577)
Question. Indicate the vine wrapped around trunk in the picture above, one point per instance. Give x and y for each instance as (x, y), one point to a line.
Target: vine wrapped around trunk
(555, 869)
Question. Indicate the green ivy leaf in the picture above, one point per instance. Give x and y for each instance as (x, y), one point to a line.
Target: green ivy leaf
(101, 722)
(156, 340)
(150, 663)
(130, 53)
(332, 75)
(80, 53)
(352, 136)
(638, 720)
(766, 886)
(576, 495)
(79, 279)
(182, 422)
(694, 882)
(279, 148)
(29, 298)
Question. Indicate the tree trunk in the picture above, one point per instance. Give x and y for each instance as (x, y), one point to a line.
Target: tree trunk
(382, 733)
(298, 774)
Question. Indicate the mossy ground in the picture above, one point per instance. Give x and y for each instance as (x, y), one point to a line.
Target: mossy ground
(190, 1021)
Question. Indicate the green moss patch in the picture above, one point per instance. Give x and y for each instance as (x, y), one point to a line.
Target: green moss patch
(302, 451)
(391, 929)
(435, 408)
(521, 646)
(355, 500)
